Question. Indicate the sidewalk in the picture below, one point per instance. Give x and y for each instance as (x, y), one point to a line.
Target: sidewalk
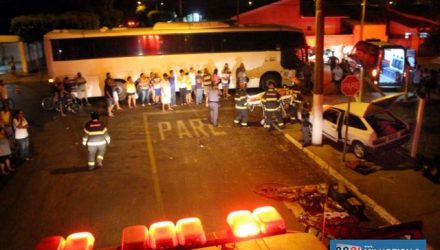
(396, 191)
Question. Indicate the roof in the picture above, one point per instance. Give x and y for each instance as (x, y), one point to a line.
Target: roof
(167, 28)
(380, 44)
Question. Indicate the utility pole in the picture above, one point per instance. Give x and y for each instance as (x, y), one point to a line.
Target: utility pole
(318, 97)
(180, 10)
(364, 6)
(238, 11)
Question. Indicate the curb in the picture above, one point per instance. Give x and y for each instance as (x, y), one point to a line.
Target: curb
(381, 211)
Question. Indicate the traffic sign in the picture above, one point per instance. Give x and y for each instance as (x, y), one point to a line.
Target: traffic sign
(350, 85)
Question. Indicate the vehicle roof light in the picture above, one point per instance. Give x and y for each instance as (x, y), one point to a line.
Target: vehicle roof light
(270, 220)
(135, 237)
(51, 243)
(163, 235)
(243, 224)
(374, 73)
(190, 232)
(80, 241)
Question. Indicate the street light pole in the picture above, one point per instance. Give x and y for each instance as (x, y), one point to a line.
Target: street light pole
(318, 98)
(364, 6)
(180, 9)
(238, 11)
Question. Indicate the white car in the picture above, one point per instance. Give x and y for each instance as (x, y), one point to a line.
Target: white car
(371, 125)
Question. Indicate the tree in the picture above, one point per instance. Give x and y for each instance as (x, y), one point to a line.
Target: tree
(31, 28)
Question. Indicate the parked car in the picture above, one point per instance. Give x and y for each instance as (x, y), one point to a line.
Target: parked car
(372, 126)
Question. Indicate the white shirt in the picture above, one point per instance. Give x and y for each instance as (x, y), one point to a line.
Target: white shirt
(20, 133)
(338, 73)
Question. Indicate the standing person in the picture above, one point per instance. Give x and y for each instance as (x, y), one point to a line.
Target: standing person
(172, 79)
(166, 92)
(295, 102)
(333, 61)
(96, 138)
(5, 121)
(115, 94)
(240, 74)
(215, 77)
(271, 106)
(13, 66)
(5, 154)
(308, 74)
(22, 135)
(108, 93)
(192, 76)
(157, 88)
(305, 123)
(226, 80)
(199, 87)
(131, 92)
(182, 86)
(338, 74)
(188, 83)
(212, 101)
(4, 93)
(80, 81)
(417, 78)
(241, 112)
(207, 81)
(144, 87)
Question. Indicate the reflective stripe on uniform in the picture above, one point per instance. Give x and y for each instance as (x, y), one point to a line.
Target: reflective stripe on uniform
(271, 99)
(270, 109)
(96, 132)
(100, 157)
(96, 143)
(240, 107)
(235, 121)
(91, 163)
(244, 124)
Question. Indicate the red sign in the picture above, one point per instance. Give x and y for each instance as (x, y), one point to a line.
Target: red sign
(350, 85)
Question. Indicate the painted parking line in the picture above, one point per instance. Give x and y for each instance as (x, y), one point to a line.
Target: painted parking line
(198, 130)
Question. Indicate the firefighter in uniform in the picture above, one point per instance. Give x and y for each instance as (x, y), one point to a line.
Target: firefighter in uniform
(305, 124)
(241, 106)
(271, 106)
(294, 105)
(96, 139)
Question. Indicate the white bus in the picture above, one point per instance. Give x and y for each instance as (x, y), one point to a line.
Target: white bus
(268, 52)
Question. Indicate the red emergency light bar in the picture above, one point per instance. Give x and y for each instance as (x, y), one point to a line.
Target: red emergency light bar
(187, 233)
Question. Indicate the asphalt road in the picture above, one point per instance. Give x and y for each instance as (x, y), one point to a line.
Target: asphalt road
(159, 166)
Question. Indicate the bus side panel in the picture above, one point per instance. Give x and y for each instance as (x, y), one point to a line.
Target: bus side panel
(94, 70)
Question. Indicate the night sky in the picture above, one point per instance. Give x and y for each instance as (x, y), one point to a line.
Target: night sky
(211, 9)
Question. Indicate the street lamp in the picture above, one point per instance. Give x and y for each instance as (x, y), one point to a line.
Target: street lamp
(364, 6)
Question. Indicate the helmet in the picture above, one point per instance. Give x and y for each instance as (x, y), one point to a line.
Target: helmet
(94, 115)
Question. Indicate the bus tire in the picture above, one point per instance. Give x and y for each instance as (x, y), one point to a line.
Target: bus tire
(122, 93)
(270, 78)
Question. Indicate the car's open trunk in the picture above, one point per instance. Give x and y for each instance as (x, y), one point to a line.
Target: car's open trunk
(385, 124)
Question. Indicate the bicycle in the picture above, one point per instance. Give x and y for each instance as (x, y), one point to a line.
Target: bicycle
(69, 104)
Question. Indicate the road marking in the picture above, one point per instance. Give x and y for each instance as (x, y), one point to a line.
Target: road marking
(156, 185)
(197, 126)
(182, 130)
(163, 127)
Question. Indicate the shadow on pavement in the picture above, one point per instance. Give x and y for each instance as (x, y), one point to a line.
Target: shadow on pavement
(71, 170)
